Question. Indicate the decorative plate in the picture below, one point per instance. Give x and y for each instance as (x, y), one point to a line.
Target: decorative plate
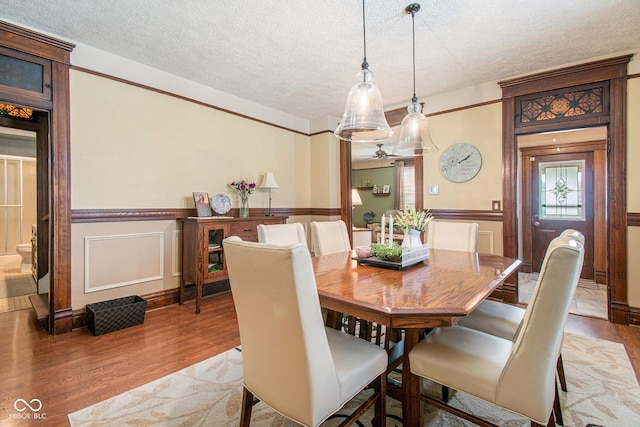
(220, 204)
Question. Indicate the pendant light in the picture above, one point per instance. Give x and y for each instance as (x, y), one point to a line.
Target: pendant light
(414, 139)
(363, 119)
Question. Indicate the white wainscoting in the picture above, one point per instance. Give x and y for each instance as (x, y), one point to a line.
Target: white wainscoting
(121, 260)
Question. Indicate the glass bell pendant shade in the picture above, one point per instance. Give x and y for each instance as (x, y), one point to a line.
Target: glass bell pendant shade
(414, 139)
(363, 119)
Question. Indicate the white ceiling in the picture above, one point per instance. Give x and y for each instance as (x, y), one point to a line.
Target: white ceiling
(301, 57)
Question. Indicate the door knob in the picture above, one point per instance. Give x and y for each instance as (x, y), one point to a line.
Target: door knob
(536, 223)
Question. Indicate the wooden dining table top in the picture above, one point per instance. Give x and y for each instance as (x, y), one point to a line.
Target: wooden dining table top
(435, 292)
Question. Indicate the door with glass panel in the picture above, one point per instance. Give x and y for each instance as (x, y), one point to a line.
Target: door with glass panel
(562, 194)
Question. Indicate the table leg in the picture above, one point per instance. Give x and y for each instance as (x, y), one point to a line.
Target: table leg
(412, 406)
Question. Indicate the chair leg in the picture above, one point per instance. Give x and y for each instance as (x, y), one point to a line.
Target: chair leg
(557, 410)
(550, 423)
(380, 407)
(560, 369)
(247, 405)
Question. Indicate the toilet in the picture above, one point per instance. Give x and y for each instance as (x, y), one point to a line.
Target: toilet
(24, 250)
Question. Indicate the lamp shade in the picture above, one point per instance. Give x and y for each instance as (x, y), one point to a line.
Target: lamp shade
(269, 181)
(355, 198)
(415, 138)
(363, 119)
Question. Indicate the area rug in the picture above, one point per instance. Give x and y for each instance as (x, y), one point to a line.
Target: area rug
(603, 390)
(18, 286)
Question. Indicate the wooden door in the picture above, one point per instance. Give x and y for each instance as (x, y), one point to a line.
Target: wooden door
(562, 197)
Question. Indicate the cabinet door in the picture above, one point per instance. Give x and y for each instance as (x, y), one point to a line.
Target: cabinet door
(213, 250)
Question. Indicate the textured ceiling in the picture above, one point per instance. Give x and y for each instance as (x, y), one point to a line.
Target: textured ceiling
(301, 57)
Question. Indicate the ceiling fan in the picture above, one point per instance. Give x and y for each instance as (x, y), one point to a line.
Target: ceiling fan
(381, 154)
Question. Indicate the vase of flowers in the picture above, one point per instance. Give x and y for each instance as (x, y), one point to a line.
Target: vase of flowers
(412, 223)
(244, 188)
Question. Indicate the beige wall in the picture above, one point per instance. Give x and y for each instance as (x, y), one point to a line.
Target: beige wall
(136, 148)
(324, 165)
(163, 148)
(482, 127)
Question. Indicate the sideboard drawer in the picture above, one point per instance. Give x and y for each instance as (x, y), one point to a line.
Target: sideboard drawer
(246, 230)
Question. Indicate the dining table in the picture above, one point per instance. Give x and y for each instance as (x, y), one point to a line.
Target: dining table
(436, 292)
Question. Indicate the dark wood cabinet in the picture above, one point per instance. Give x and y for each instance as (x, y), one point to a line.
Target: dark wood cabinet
(202, 250)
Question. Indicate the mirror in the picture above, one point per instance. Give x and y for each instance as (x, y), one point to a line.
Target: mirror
(383, 182)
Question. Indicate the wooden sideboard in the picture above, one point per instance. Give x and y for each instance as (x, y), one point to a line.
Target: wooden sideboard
(202, 252)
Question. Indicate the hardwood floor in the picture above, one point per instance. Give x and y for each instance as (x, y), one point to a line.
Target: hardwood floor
(71, 371)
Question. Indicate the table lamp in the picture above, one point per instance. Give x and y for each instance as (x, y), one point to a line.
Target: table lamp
(355, 198)
(269, 182)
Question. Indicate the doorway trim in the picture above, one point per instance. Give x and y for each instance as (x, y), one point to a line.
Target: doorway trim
(614, 71)
(394, 118)
(598, 150)
(57, 55)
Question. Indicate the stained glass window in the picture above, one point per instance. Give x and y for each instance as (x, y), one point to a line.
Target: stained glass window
(561, 190)
(590, 100)
(15, 111)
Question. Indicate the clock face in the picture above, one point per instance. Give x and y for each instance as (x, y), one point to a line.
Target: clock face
(460, 162)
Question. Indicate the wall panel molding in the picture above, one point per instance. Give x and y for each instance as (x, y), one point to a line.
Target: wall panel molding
(121, 260)
(486, 241)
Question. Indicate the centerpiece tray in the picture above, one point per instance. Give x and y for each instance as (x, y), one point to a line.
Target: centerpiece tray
(410, 258)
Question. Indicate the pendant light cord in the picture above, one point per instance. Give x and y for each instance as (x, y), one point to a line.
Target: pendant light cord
(365, 64)
(413, 11)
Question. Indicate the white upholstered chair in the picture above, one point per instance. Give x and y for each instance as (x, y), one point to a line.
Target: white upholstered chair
(290, 361)
(519, 374)
(329, 237)
(282, 234)
(503, 320)
(454, 236)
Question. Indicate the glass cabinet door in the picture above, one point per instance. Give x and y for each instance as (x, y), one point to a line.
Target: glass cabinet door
(215, 254)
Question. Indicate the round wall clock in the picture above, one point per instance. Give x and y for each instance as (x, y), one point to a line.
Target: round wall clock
(460, 162)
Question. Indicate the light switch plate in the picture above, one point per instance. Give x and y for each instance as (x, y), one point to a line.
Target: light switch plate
(433, 189)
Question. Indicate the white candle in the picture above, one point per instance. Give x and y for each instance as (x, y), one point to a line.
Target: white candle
(382, 230)
(390, 230)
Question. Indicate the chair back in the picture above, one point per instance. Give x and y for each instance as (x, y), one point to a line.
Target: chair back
(454, 236)
(532, 363)
(286, 361)
(569, 232)
(282, 234)
(329, 237)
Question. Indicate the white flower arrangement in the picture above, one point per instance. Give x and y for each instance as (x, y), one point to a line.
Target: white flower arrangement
(411, 219)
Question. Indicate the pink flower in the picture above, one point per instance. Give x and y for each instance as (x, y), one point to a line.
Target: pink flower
(244, 187)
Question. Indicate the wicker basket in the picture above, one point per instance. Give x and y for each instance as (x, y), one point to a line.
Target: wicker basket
(116, 314)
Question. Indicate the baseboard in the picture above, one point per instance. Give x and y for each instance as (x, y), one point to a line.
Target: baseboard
(600, 277)
(163, 298)
(634, 316)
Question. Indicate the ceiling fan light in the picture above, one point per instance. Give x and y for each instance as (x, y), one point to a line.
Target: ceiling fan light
(415, 138)
(363, 119)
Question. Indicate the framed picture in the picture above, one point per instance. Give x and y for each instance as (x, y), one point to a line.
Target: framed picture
(202, 203)
(385, 189)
